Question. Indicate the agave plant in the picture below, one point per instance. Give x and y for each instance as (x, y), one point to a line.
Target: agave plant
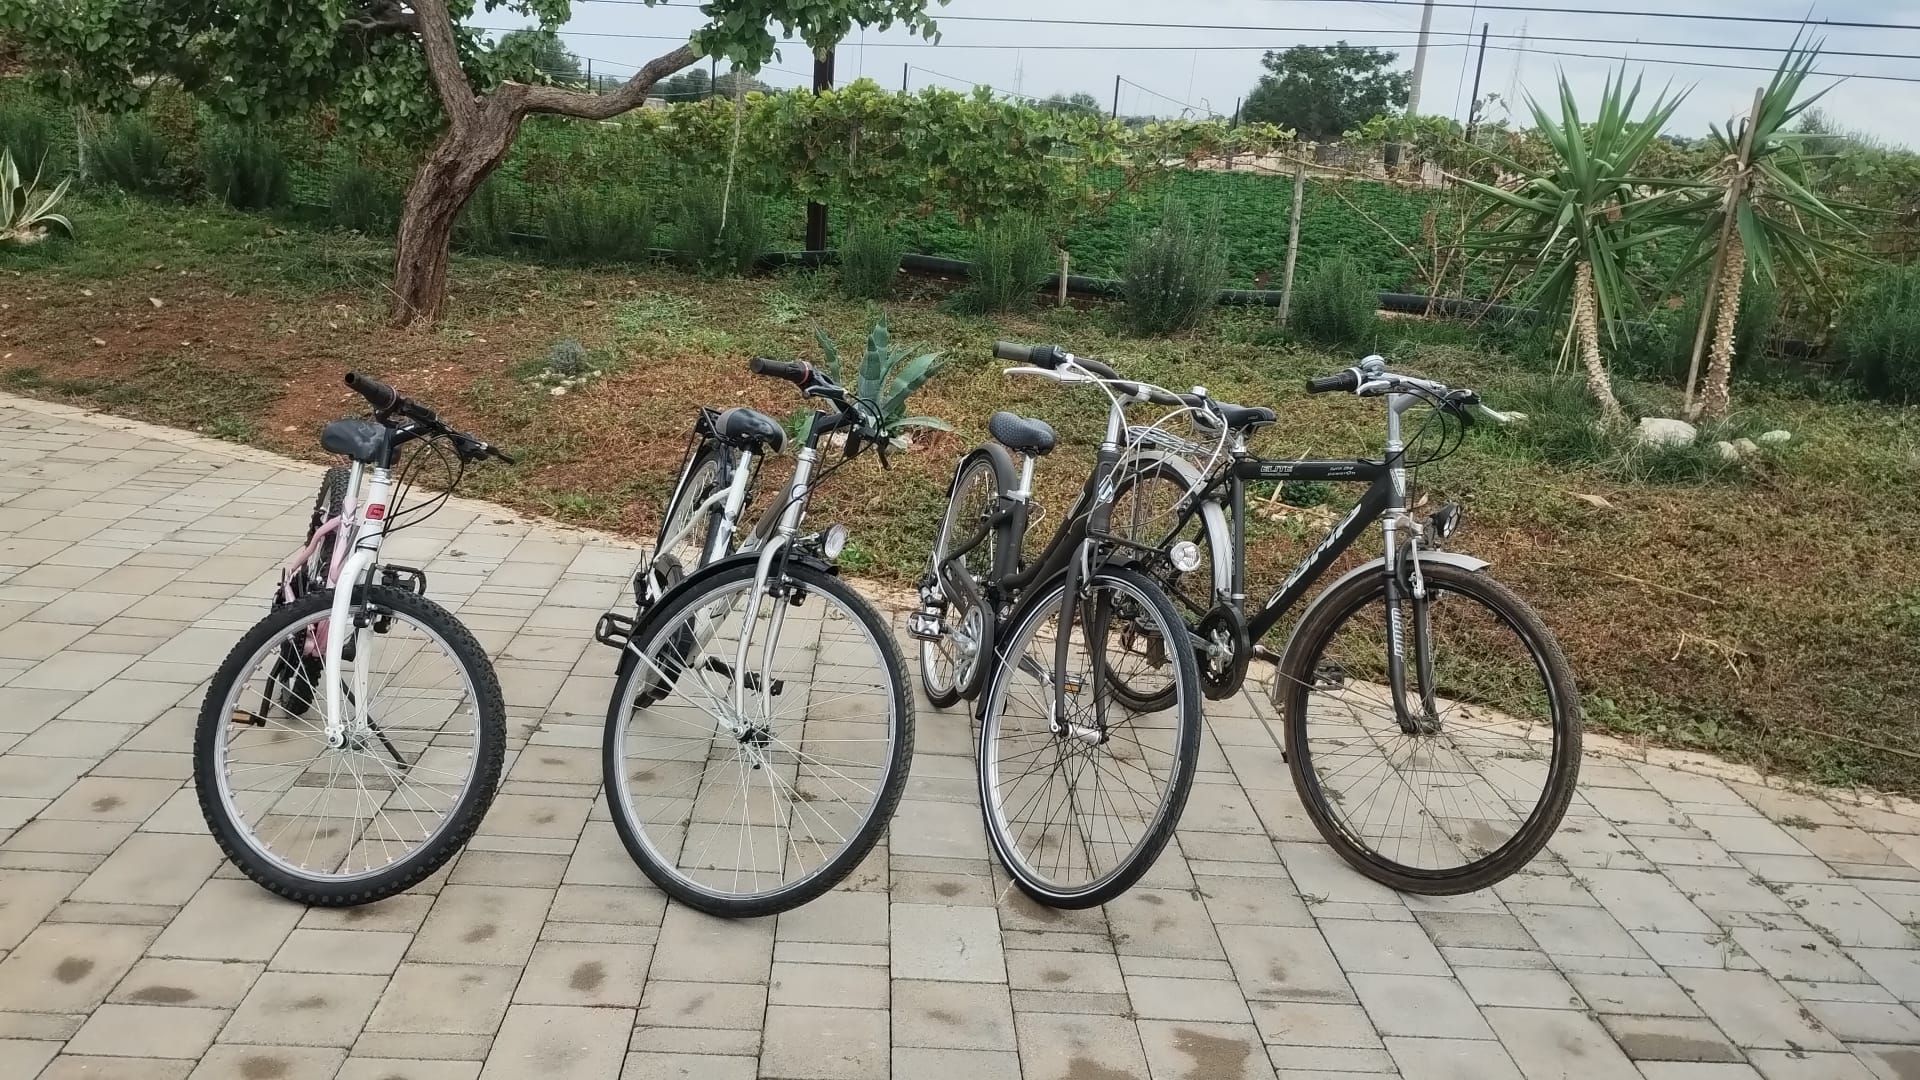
(1755, 212)
(26, 214)
(888, 376)
(1573, 221)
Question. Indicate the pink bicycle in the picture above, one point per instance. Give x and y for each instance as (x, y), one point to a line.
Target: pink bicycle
(351, 742)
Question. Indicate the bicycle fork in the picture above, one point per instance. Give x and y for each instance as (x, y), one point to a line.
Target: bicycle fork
(358, 566)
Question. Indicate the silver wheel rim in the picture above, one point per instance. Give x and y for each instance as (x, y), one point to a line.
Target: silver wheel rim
(366, 803)
(736, 818)
(1061, 778)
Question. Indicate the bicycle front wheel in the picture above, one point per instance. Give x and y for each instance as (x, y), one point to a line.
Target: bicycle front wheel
(1463, 785)
(758, 744)
(373, 811)
(1080, 808)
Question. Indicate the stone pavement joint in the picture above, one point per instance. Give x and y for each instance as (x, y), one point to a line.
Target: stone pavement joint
(1691, 920)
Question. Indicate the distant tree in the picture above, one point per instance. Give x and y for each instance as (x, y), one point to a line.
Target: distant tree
(724, 85)
(690, 85)
(1323, 91)
(1080, 104)
(542, 51)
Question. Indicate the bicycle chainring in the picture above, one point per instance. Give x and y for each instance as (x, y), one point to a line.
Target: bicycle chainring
(1225, 652)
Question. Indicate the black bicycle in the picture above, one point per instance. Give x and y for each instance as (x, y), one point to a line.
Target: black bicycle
(1431, 722)
(1089, 718)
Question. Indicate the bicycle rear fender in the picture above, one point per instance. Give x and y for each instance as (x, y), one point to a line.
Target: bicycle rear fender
(1215, 519)
(1375, 566)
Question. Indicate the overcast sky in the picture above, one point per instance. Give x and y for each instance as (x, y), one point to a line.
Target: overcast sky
(1206, 70)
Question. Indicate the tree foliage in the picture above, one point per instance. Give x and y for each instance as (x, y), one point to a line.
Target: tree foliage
(1321, 92)
(542, 51)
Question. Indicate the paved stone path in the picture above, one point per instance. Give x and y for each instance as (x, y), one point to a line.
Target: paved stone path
(1690, 924)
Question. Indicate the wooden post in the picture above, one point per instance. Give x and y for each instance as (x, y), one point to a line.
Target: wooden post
(1064, 263)
(904, 70)
(1293, 239)
(1116, 98)
(1736, 187)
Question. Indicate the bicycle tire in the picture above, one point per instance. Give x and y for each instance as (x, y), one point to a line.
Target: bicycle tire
(462, 819)
(1001, 835)
(941, 692)
(701, 589)
(1296, 679)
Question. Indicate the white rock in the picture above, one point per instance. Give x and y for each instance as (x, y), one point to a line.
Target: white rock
(1775, 436)
(1746, 446)
(558, 391)
(1728, 452)
(1660, 431)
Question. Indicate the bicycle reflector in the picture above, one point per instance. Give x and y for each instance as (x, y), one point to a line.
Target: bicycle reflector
(1185, 556)
(1445, 521)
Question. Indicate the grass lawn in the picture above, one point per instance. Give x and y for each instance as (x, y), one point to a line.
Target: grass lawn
(1767, 611)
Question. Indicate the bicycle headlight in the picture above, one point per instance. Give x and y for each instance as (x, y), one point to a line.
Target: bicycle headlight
(1185, 556)
(833, 541)
(1445, 521)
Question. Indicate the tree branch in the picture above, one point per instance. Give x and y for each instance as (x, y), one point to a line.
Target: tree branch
(383, 17)
(587, 106)
(443, 61)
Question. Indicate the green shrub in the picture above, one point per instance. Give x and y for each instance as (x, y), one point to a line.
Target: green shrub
(870, 255)
(1562, 426)
(1010, 259)
(130, 155)
(490, 219)
(592, 226)
(363, 200)
(29, 134)
(1659, 345)
(1338, 304)
(244, 169)
(1174, 273)
(715, 235)
(1878, 339)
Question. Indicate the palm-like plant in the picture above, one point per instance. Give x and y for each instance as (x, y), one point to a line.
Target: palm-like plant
(1573, 221)
(26, 214)
(1755, 212)
(888, 376)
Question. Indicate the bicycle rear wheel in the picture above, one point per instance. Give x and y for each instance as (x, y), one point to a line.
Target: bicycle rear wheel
(1475, 789)
(951, 668)
(673, 562)
(375, 814)
(1078, 815)
(748, 782)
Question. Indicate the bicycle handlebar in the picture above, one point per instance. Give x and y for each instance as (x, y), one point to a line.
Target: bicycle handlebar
(1343, 382)
(387, 401)
(796, 372)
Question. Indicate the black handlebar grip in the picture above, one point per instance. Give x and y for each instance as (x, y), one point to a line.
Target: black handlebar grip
(1023, 354)
(1345, 381)
(382, 397)
(794, 371)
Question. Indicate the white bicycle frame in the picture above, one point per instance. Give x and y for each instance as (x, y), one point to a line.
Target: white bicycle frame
(365, 514)
(730, 500)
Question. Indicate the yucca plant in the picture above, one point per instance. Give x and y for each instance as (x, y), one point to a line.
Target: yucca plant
(1572, 221)
(1756, 207)
(26, 214)
(888, 376)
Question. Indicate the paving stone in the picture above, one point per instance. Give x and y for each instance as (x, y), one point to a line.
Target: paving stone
(229, 919)
(705, 1005)
(922, 1063)
(567, 973)
(1064, 972)
(373, 1068)
(148, 1031)
(1420, 1005)
(1647, 995)
(961, 1016)
(459, 999)
(654, 1066)
(1400, 948)
(482, 924)
(304, 1009)
(1866, 1021)
(1523, 987)
(193, 983)
(848, 985)
(1057, 1045)
(855, 918)
(30, 895)
(1752, 1010)
(26, 1057)
(1156, 998)
(1477, 930)
(1669, 1038)
(950, 943)
(1228, 1051)
(1162, 922)
(810, 1043)
(1896, 969)
(559, 1043)
(1285, 963)
(1797, 954)
(1307, 1024)
(700, 948)
(1559, 1042)
(1451, 1059)
(69, 967)
(1788, 1065)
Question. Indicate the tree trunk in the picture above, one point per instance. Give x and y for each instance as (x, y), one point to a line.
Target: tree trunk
(1716, 396)
(452, 171)
(1586, 325)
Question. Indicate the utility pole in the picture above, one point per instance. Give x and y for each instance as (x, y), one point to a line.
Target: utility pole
(713, 77)
(817, 212)
(904, 69)
(1420, 59)
(1116, 97)
(1473, 104)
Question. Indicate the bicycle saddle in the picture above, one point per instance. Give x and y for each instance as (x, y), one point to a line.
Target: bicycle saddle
(361, 440)
(751, 430)
(1016, 432)
(1238, 417)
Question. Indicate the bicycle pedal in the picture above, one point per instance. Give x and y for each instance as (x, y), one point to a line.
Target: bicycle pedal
(721, 667)
(614, 631)
(925, 625)
(251, 719)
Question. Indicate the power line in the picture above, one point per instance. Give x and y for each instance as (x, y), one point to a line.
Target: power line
(1163, 97)
(1004, 46)
(1460, 4)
